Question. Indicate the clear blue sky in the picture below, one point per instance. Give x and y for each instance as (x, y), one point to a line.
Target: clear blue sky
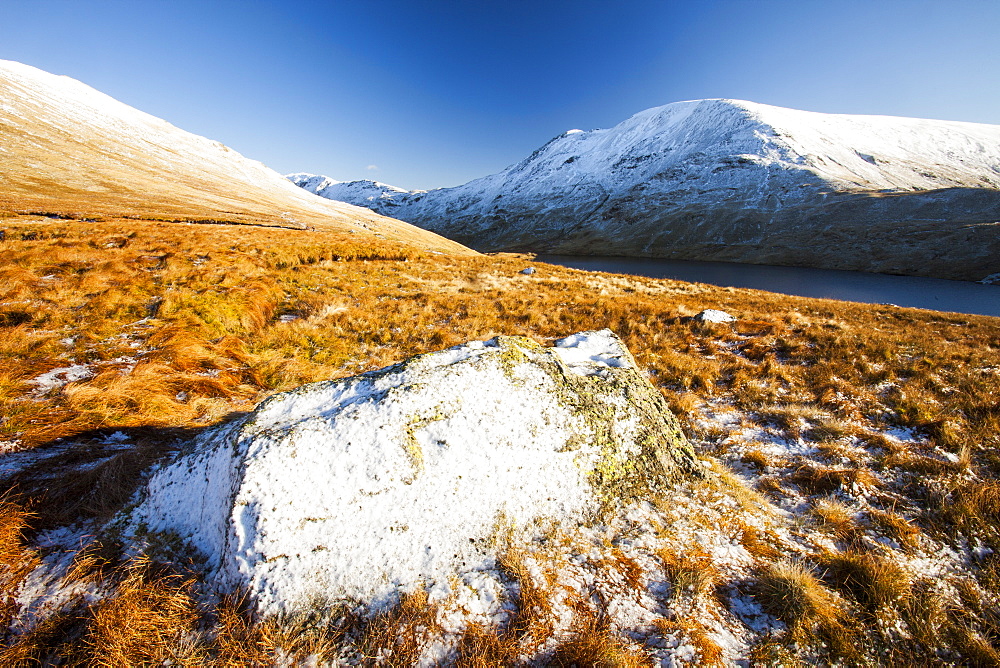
(435, 93)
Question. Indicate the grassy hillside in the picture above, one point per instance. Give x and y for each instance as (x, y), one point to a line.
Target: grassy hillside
(853, 449)
(70, 151)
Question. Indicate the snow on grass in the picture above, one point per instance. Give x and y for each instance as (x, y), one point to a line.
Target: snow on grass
(47, 591)
(57, 378)
(667, 573)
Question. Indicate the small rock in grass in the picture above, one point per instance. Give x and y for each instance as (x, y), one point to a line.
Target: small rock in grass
(713, 315)
(528, 271)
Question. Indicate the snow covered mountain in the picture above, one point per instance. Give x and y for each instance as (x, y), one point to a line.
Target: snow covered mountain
(734, 181)
(344, 191)
(70, 150)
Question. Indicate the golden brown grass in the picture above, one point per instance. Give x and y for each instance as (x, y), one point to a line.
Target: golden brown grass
(482, 647)
(533, 621)
(588, 642)
(182, 325)
(692, 574)
(814, 614)
(397, 636)
(149, 618)
(835, 517)
(773, 654)
(16, 559)
(876, 582)
(818, 479)
(895, 526)
(757, 542)
(972, 510)
(145, 622)
(758, 459)
(530, 625)
(591, 643)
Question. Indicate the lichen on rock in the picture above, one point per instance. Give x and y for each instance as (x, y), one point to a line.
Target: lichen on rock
(363, 488)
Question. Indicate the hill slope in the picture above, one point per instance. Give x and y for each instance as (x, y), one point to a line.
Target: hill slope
(736, 181)
(70, 150)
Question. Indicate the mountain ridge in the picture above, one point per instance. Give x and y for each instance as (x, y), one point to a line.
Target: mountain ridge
(735, 181)
(69, 150)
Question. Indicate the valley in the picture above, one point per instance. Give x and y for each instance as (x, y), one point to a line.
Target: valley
(221, 394)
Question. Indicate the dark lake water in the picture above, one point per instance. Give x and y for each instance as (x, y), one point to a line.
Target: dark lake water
(855, 286)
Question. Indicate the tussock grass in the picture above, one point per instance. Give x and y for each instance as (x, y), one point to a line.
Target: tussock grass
(972, 510)
(591, 643)
(397, 636)
(147, 621)
(316, 635)
(877, 583)
(895, 527)
(835, 517)
(814, 614)
(51, 642)
(149, 617)
(692, 574)
(773, 655)
(815, 479)
(482, 647)
(239, 640)
(533, 621)
(758, 459)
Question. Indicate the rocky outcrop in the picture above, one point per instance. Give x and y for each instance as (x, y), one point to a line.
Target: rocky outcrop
(734, 181)
(417, 474)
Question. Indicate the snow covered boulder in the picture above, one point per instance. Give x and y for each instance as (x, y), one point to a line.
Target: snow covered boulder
(414, 475)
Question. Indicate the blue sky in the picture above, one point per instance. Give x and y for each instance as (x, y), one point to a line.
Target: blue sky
(431, 94)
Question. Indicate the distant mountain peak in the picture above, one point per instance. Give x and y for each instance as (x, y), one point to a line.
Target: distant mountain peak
(724, 179)
(364, 190)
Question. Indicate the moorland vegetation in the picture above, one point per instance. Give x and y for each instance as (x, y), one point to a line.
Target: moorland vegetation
(147, 332)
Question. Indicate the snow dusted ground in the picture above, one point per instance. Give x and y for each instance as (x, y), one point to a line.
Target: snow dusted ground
(670, 572)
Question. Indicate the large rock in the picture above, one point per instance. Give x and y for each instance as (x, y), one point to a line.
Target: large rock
(362, 488)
